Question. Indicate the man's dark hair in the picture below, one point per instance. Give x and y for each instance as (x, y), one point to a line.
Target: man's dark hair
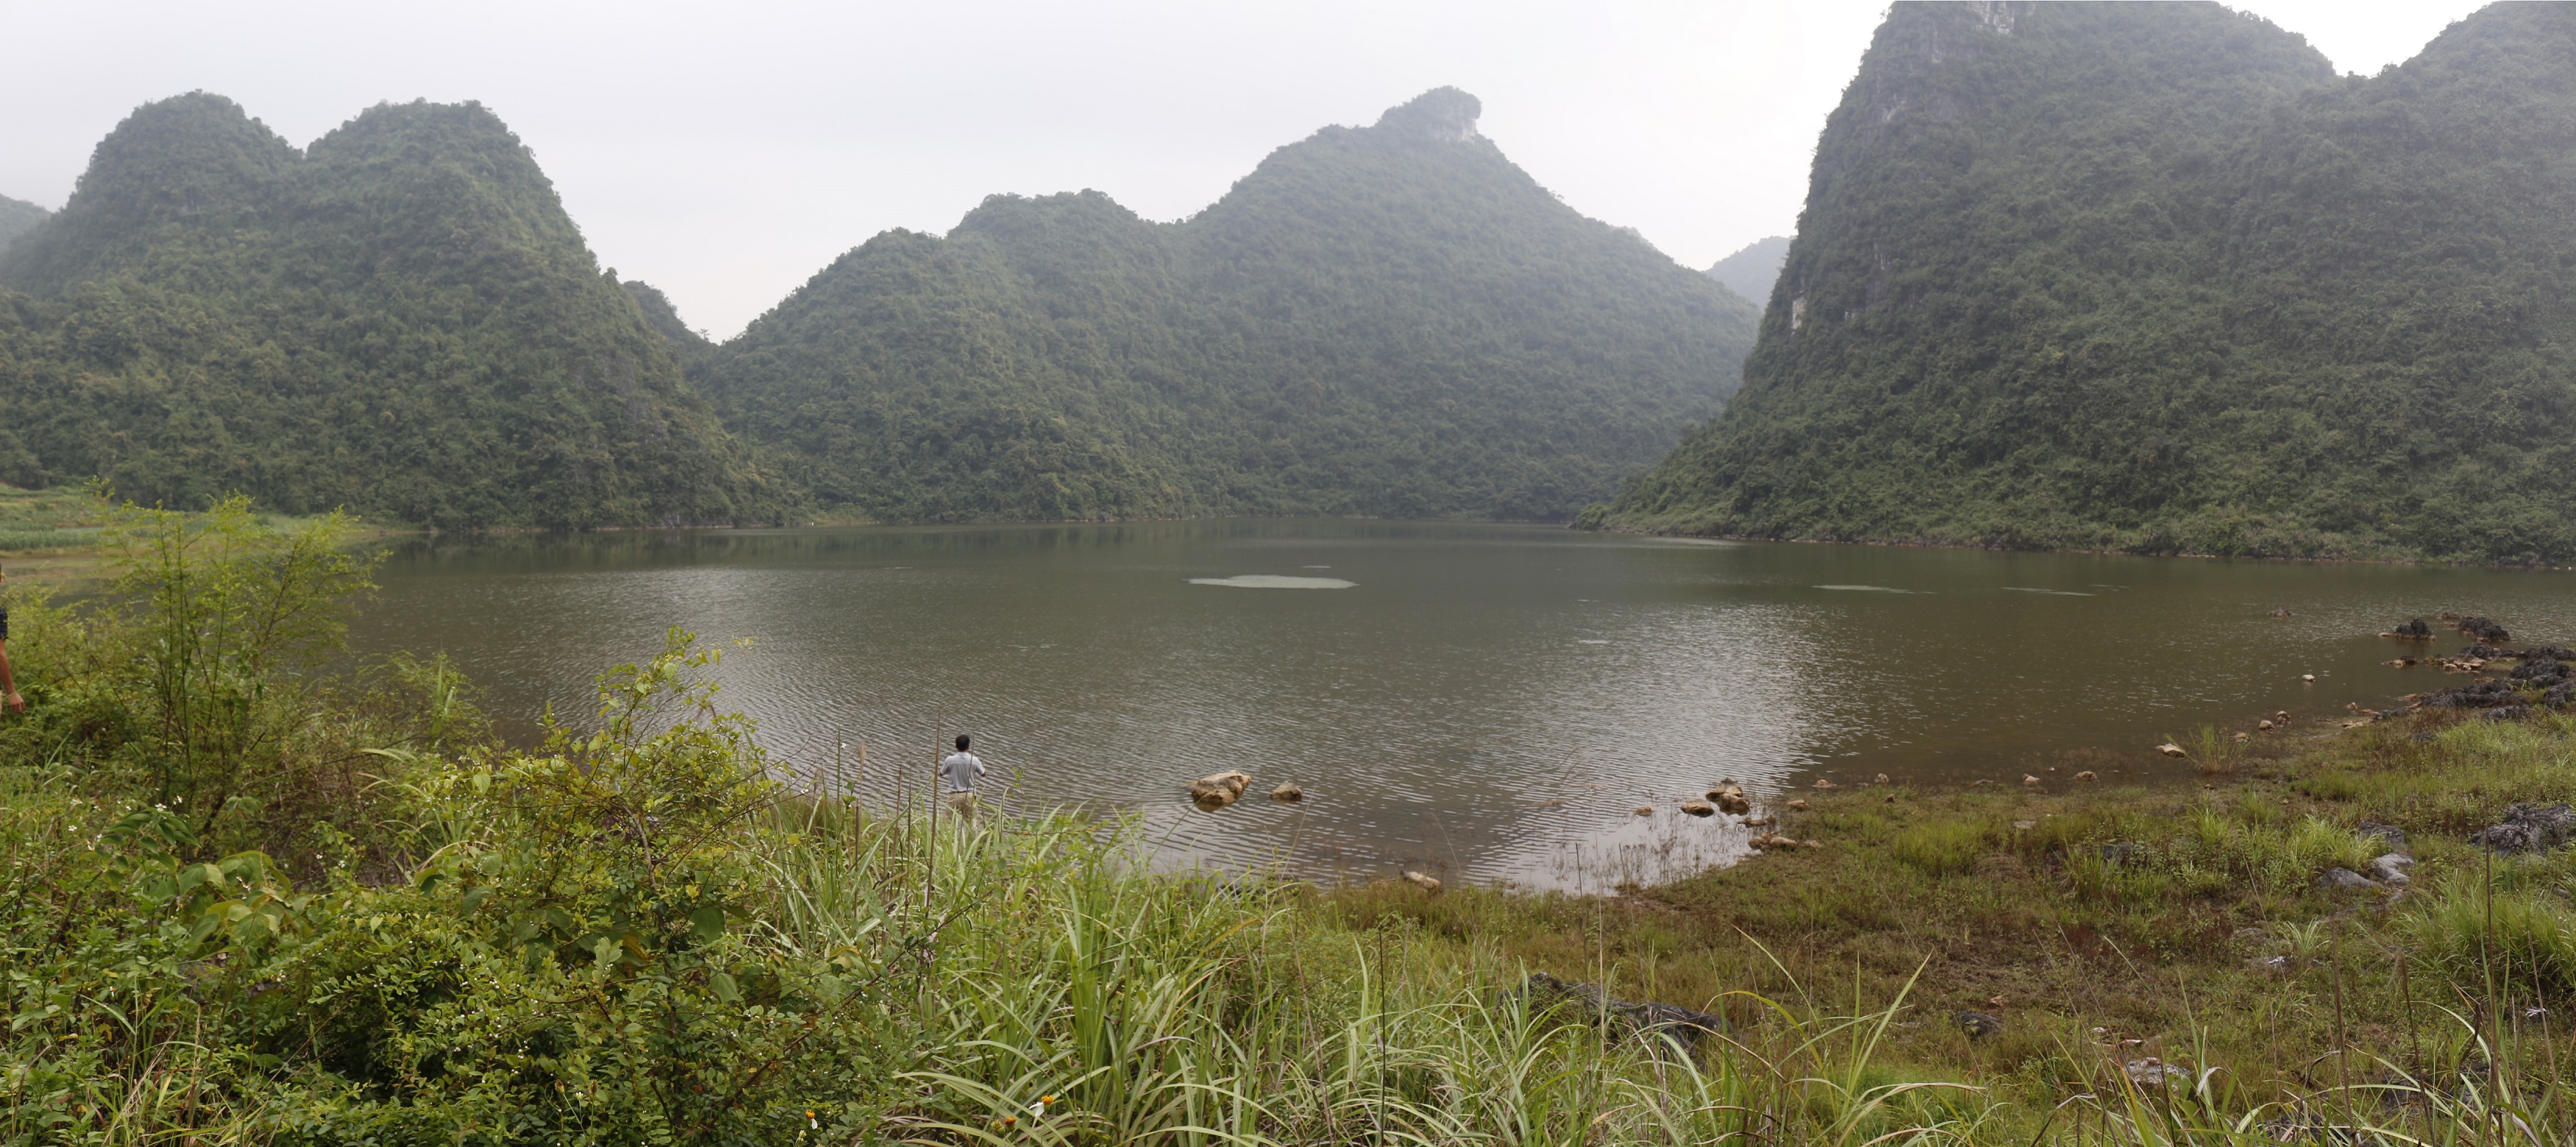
(961, 742)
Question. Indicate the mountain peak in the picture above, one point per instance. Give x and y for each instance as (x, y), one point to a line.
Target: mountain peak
(1445, 114)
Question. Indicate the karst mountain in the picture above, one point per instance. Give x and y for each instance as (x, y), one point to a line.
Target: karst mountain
(2153, 277)
(400, 318)
(1391, 320)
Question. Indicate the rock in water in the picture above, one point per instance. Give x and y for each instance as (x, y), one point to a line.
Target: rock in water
(2171, 749)
(1287, 792)
(1645, 810)
(1429, 884)
(1730, 798)
(1218, 790)
(1695, 808)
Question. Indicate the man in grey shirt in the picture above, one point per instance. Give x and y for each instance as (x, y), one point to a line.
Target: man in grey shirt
(960, 770)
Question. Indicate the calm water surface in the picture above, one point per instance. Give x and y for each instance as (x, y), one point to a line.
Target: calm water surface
(1489, 702)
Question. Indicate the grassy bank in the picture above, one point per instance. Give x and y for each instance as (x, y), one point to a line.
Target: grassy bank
(248, 902)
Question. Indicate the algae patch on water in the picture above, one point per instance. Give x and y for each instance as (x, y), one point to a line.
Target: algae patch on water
(1274, 581)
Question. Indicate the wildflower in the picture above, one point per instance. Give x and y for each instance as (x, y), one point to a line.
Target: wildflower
(811, 1122)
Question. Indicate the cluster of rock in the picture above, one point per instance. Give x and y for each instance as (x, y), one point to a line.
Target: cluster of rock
(2541, 677)
(1620, 1017)
(1217, 790)
(2387, 870)
(2528, 828)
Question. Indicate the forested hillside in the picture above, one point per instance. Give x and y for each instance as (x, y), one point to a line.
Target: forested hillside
(399, 319)
(2152, 277)
(1385, 320)
(17, 217)
(1753, 271)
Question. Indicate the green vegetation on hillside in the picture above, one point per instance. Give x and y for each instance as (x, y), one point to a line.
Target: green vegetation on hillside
(1391, 320)
(1753, 271)
(248, 898)
(399, 320)
(17, 217)
(2151, 277)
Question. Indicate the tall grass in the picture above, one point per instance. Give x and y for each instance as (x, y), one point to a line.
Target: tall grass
(1064, 994)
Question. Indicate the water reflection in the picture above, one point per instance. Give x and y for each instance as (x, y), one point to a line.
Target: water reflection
(1479, 701)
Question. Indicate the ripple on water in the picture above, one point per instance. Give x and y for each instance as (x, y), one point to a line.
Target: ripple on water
(1872, 588)
(1274, 581)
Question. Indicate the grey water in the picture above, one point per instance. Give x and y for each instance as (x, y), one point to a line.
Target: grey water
(1482, 702)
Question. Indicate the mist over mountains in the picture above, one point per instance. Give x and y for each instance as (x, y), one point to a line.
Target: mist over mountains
(1391, 320)
(2153, 277)
(1752, 271)
(401, 319)
(17, 217)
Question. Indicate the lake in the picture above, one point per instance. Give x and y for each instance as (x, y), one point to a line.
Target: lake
(1486, 702)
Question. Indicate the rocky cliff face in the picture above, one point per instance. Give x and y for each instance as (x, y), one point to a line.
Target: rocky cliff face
(2153, 277)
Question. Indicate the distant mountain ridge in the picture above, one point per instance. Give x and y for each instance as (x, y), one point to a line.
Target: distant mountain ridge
(17, 217)
(2152, 277)
(1753, 271)
(399, 319)
(1391, 320)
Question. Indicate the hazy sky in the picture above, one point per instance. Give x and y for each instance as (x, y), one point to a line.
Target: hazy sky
(726, 151)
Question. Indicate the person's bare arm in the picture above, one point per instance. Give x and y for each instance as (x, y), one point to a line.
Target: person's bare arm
(9, 682)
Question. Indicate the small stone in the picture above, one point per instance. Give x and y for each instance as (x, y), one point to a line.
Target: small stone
(2340, 877)
(1797, 806)
(2171, 749)
(1645, 810)
(1826, 784)
(2150, 1072)
(2310, 678)
(2391, 868)
(2263, 724)
(1430, 884)
(2029, 782)
(2086, 775)
(1882, 778)
(1218, 790)
(1695, 808)
(1287, 792)
(1730, 798)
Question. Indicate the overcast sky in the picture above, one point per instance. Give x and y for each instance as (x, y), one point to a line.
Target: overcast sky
(726, 151)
